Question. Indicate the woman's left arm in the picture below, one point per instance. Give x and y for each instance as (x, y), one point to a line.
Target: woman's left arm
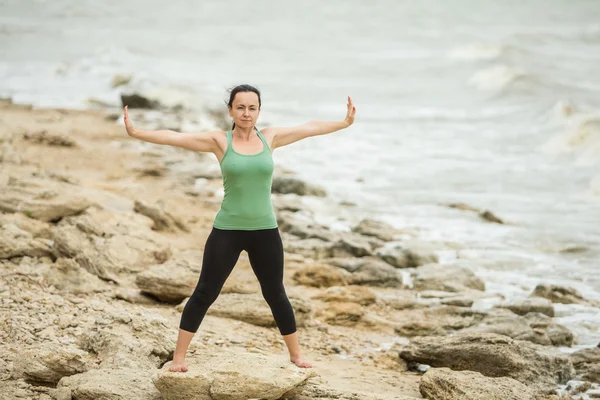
(285, 136)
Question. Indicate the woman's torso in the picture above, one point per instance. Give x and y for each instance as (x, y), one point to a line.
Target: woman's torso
(247, 182)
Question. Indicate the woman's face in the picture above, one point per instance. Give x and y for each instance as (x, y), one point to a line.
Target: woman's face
(245, 109)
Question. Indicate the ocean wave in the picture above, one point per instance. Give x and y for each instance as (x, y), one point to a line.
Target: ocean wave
(497, 77)
(476, 51)
(595, 186)
(582, 136)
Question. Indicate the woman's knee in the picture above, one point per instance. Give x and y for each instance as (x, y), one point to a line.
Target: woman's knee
(274, 294)
(203, 297)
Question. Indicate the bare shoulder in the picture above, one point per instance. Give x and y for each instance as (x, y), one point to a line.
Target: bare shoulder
(268, 132)
(220, 137)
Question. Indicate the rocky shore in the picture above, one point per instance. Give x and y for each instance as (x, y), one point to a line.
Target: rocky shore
(101, 242)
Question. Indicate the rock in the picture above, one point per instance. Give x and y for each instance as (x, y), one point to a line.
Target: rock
(112, 384)
(43, 137)
(67, 275)
(559, 294)
(380, 230)
(163, 221)
(49, 362)
(284, 185)
(489, 216)
(314, 249)
(286, 203)
(448, 278)
(348, 294)
(343, 314)
(174, 280)
(436, 321)
(445, 384)
(343, 244)
(253, 309)
(400, 256)
(534, 327)
(232, 376)
(37, 229)
(368, 271)
(314, 391)
(120, 80)
(321, 275)
(458, 301)
(134, 296)
(122, 340)
(135, 100)
(44, 206)
(303, 228)
(558, 334)
(351, 247)
(494, 356)
(587, 364)
(15, 242)
(533, 304)
(463, 206)
(120, 247)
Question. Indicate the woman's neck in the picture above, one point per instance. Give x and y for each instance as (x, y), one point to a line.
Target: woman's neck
(243, 133)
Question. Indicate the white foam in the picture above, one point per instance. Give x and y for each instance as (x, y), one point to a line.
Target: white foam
(582, 138)
(476, 51)
(496, 78)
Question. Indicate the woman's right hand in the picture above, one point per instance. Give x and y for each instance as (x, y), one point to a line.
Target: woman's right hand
(128, 124)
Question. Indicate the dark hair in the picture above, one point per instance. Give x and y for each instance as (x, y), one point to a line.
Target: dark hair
(241, 89)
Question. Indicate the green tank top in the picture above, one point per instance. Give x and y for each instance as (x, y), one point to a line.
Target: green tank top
(247, 180)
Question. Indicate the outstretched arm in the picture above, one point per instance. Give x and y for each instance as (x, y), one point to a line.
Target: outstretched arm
(285, 136)
(204, 142)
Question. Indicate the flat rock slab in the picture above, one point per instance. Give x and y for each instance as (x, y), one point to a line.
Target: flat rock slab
(231, 376)
(109, 384)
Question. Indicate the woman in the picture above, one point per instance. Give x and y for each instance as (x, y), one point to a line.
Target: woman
(246, 220)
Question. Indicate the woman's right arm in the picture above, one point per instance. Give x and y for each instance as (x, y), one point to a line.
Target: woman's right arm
(203, 142)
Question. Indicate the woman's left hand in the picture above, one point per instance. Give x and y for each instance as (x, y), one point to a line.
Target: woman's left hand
(350, 113)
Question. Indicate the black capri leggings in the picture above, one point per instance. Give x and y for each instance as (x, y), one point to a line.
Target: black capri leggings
(222, 250)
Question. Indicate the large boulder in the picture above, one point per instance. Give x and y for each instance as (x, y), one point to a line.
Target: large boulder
(174, 280)
(448, 278)
(381, 230)
(48, 206)
(285, 185)
(494, 356)
(407, 255)
(587, 364)
(533, 327)
(435, 321)
(369, 271)
(559, 294)
(445, 384)
(533, 304)
(232, 376)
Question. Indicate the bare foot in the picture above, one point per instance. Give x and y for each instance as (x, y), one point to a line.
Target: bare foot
(178, 366)
(300, 363)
